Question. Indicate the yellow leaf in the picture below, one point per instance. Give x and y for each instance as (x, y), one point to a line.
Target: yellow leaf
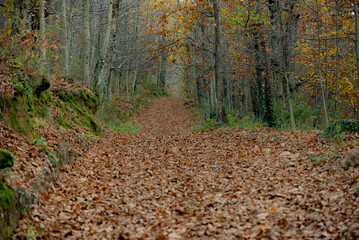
(273, 209)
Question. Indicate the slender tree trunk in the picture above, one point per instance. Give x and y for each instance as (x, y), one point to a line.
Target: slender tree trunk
(280, 52)
(94, 45)
(134, 82)
(162, 70)
(109, 86)
(336, 60)
(290, 105)
(229, 88)
(106, 58)
(24, 13)
(66, 39)
(213, 86)
(86, 43)
(357, 38)
(319, 68)
(221, 110)
(70, 35)
(135, 77)
(326, 60)
(43, 36)
(127, 90)
(117, 77)
(288, 62)
(198, 83)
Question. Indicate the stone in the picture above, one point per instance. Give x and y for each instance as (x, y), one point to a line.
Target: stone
(312, 155)
(285, 155)
(351, 158)
(353, 231)
(266, 151)
(6, 159)
(292, 164)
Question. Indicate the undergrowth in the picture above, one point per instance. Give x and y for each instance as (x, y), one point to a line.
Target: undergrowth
(117, 114)
(128, 127)
(342, 126)
(234, 120)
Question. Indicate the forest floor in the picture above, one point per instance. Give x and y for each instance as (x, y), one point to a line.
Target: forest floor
(167, 182)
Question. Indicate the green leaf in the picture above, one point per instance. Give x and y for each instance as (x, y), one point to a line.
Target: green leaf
(356, 189)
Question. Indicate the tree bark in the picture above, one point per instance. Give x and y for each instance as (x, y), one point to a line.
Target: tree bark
(319, 67)
(336, 60)
(43, 36)
(106, 57)
(357, 38)
(220, 110)
(86, 43)
(24, 13)
(66, 39)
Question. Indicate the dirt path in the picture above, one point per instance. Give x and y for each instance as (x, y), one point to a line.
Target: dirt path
(220, 184)
(165, 116)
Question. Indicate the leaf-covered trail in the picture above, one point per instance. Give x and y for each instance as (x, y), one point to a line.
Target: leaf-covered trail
(165, 116)
(218, 184)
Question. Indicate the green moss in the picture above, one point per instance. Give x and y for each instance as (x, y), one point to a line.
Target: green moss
(29, 105)
(81, 104)
(19, 88)
(90, 100)
(63, 122)
(6, 158)
(6, 197)
(45, 98)
(91, 124)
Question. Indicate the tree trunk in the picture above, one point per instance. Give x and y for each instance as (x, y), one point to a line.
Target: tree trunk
(43, 36)
(86, 43)
(66, 39)
(221, 110)
(288, 62)
(278, 55)
(134, 82)
(126, 83)
(319, 67)
(107, 55)
(357, 38)
(162, 70)
(336, 60)
(24, 13)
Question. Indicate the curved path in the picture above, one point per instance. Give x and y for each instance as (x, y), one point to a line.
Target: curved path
(167, 183)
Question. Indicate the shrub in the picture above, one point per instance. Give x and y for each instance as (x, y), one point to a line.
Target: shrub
(340, 126)
(302, 115)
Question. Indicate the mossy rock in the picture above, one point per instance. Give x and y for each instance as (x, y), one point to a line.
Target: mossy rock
(9, 215)
(89, 99)
(6, 158)
(63, 122)
(6, 197)
(19, 112)
(80, 104)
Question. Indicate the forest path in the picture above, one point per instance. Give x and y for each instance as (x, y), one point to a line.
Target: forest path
(166, 115)
(218, 184)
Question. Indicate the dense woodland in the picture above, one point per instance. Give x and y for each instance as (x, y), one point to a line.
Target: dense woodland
(289, 63)
(179, 119)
